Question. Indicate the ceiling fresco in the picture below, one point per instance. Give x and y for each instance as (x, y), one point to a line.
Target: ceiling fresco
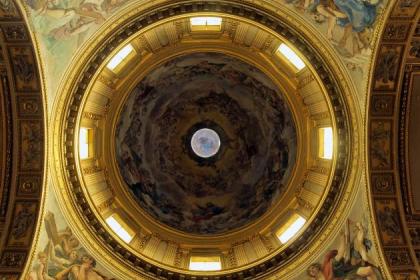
(60, 254)
(350, 27)
(352, 254)
(257, 150)
(196, 205)
(62, 26)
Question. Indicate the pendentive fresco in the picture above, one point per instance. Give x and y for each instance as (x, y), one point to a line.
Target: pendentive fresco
(61, 27)
(60, 255)
(348, 25)
(352, 255)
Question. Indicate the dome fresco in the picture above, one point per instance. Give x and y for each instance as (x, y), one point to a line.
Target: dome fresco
(362, 62)
(228, 189)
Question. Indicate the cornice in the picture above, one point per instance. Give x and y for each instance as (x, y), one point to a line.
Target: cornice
(332, 76)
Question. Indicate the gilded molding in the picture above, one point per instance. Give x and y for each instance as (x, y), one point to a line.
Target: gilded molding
(387, 106)
(343, 122)
(22, 191)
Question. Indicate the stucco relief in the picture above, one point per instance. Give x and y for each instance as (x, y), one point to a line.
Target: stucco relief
(21, 141)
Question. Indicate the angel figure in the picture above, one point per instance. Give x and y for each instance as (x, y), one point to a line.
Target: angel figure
(83, 271)
(343, 263)
(40, 270)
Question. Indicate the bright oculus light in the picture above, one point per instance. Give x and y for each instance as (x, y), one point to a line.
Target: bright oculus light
(205, 142)
(206, 23)
(326, 142)
(291, 230)
(84, 143)
(291, 56)
(119, 57)
(206, 263)
(118, 229)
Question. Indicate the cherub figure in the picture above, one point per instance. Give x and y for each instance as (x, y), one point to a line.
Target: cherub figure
(83, 271)
(40, 270)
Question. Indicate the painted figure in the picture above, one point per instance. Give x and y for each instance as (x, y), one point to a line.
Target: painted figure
(355, 16)
(329, 10)
(40, 270)
(64, 241)
(359, 17)
(83, 271)
(60, 258)
(351, 261)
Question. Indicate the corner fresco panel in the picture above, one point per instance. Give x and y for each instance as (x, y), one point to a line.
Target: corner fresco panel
(61, 27)
(349, 26)
(352, 255)
(60, 254)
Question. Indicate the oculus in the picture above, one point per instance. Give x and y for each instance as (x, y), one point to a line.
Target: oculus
(205, 142)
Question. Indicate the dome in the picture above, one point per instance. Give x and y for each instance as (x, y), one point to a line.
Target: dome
(199, 102)
(269, 175)
(209, 140)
